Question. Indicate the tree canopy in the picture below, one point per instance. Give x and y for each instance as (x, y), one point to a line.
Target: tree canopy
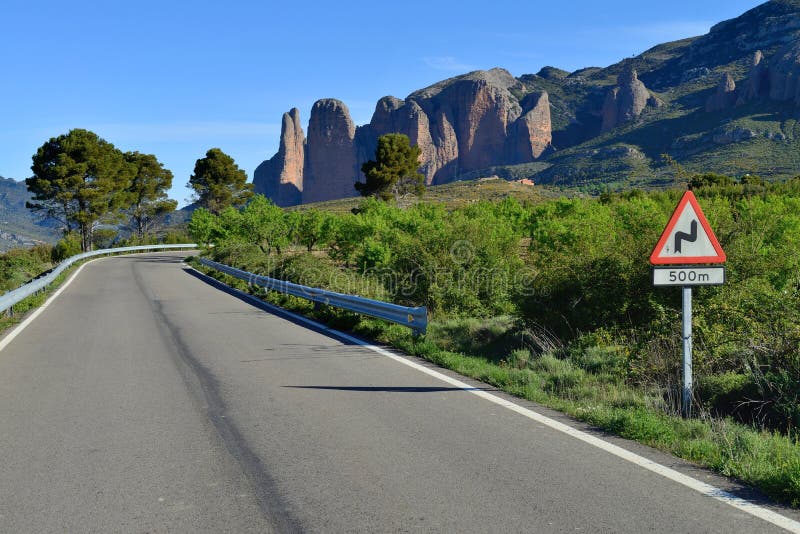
(148, 191)
(395, 170)
(81, 180)
(219, 183)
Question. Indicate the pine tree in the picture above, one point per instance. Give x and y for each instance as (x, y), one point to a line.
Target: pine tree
(81, 180)
(395, 170)
(219, 183)
(148, 191)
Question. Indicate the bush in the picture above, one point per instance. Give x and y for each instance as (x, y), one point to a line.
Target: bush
(724, 393)
(18, 266)
(104, 238)
(571, 274)
(69, 245)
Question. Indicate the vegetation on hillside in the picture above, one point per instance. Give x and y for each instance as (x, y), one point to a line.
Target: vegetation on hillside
(755, 137)
(18, 226)
(553, 301)
(89, 188)
(454, 195)
(19, 265)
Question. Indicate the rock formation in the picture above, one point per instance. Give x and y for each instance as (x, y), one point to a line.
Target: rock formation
(330, 169)
(757, 83)
(469, 119)
(626, 101)
(532, 132)
(393, 115)
(725, 95)
(281, 177)
(784, 75)
(778, 79)
(485, 121)
(385, 118)
(463, 124)
(481, 115)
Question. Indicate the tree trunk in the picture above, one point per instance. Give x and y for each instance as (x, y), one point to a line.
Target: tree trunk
(84, 238)
(87, 235)
(140, 219)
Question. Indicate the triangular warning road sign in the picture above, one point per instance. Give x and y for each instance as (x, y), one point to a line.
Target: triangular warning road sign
(688, 237)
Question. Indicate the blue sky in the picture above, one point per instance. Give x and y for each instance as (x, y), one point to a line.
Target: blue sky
(175, 78)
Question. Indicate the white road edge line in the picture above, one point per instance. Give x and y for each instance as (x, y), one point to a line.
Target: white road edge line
(702, 487)
(17, 330)
(28, 320)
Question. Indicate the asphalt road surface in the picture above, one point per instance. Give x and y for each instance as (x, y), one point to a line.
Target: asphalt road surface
(145, 399)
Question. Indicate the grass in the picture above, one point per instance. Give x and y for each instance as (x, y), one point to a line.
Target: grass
(582, 384)
(7, 320)
(457, 194)
(766, 460)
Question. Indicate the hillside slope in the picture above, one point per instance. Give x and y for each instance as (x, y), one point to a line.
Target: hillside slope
(18, 225)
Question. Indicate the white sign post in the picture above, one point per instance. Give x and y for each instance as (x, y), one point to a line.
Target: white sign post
(686, 243)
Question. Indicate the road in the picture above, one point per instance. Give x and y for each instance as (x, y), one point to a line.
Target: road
(145, 399)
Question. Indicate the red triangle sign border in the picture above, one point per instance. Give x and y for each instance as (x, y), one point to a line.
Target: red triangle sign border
(688, 198)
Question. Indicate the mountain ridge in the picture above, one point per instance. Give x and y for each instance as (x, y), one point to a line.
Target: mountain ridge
(595, 127)
(18, 225)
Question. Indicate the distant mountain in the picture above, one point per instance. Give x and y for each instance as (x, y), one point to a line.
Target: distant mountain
(18, 225)
(727, 101)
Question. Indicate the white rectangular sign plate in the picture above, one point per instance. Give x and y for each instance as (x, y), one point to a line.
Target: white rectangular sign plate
(688, 276)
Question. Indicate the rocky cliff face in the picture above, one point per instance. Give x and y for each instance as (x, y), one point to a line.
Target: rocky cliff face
(725, 96)
(393, 115)
(757, 81)
(784, 75)
(330, 169)
(281, 177)
(480, 109)
(532, 133)
(462, 124)
(626, 101)
(777, 78)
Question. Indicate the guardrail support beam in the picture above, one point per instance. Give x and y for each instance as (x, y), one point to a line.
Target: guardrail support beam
(414, 318)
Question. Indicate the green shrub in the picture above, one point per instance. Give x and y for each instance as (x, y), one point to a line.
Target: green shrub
(104, 238)
(568, 278)
(520, 358)
(18, 266)
(69, 245)
(610, 360)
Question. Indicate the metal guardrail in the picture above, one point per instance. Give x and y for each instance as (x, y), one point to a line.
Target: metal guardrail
(414, 318)
(14, 296)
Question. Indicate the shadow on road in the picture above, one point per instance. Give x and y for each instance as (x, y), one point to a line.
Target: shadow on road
(154, 258)
(389, 389)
